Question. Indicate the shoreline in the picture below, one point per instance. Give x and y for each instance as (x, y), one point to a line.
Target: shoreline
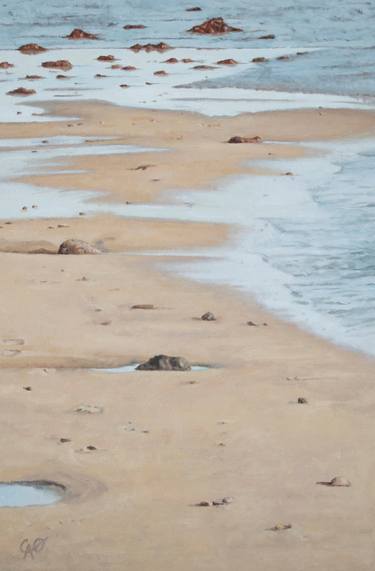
(234, 430)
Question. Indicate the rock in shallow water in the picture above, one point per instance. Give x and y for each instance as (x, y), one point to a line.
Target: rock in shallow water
(77, 247)
(214, 26)
(165, 363)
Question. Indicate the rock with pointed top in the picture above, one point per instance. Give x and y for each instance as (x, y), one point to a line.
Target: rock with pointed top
(214, 26)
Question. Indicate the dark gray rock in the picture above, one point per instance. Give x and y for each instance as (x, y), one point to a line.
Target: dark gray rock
(165, 363)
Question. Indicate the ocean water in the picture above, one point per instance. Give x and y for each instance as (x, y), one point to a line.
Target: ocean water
(302, 244)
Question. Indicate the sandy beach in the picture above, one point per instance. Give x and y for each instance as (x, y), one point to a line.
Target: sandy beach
(165, 441)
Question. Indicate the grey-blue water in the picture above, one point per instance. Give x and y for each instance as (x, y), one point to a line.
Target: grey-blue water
(341, 29)
(23, 494)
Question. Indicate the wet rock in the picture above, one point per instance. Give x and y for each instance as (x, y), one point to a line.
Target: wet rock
(22, 91)
(302, 400)
(106, 58)
(134, 27)
(203, 67)
(227, 62)
(187, 60)
(267, 37)
(143, 306)
(165, 363)
(237, 139)
(283, 58)
(259, 59)
(129, 68)
(194, 9)
(208, 316)
(214, 26)
(160, 47)
(33, 77)
(32, 49)
(160, 72)
(171, 60)
(61, 76)
(78, 34)
(337, 482)
(77, 247)
(281, 527)
(63, 64)
(124, 85)
(6, 65)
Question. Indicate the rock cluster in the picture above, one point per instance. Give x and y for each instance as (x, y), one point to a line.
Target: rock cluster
(77, 247)
(214, 26)
(165, 363)
(160, 47)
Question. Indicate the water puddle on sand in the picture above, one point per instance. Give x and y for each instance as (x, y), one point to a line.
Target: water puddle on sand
(25, 494)
(133, 368)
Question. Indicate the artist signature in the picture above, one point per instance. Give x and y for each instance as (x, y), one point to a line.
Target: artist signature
(30, 549)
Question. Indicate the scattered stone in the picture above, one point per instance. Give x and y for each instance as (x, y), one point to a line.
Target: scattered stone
(89, 409)
(24, 208)
(64, 440)
(106, 58)
(281, 527)
(302, 400)
(129, 68)
(58, 64)
(171, 60)
(134, 27)
(283, 58)
(289, 173)
(99, 76)
(77, 247)
(208, 316)
(31, 49)
(124, 85)
(27, 388)
(160, 72)
(252, 324)
(116, 66)
(165, 363)
(237, 139)
(160, 47)
(201, 67)
(267, 37)
(194, 9)
(187, 60)
(203, 504)
(214, 26)
(141, 167)
(227, 62)
(22, 92)
(143, 306)
(78, 34)
(337, 482)
(61, 76)
(223, 501)
(259, 59)
(90, 447)
(6, 65)
(33, 77)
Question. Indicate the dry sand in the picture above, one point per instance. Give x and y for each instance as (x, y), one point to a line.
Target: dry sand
(166, 441)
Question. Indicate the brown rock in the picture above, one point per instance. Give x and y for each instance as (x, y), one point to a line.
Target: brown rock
(6, 65)
(31, 49)
(58, 64)
(116, 66)
(160, 72)
(208, 316)
(238, 139)
(259, 59)
(106, 58)
(160, 47)
(129, 68)
(143, 306)
(134, 27)
(214, 26)
(165, 363)
(78, 34)
(22, 91)
(77, 247)
(33, 77)
(227, 62)
(187, 60)
(171, 60)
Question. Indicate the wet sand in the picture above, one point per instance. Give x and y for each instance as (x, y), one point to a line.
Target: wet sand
(165, 441)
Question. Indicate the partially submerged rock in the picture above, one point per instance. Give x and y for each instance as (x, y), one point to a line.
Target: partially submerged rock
(194, 9)
(160, 72)
(267, 37)
(77, 247)
(227, 62)
(214, 26)
(337, 482)
(171, 60)
(32, 49)
(33, 77)
(78, 34)
(128, 68)
(6, 65)
(22, 91)
(259, 59)
(63, 64)
(160, 47)
(165, 363)
(134, 27)
(203, 67)
(106, 58)
(237, 139)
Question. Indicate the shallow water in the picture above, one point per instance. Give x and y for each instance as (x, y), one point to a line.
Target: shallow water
(24, 495)
(133, 368)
